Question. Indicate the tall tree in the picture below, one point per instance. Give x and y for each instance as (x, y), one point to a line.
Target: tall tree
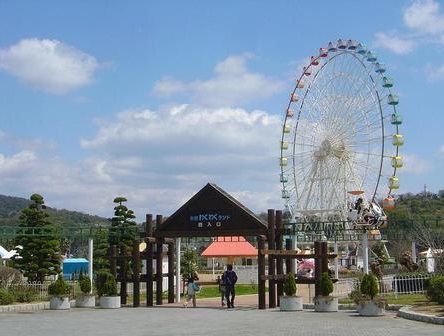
(40, 253)
(123, 229)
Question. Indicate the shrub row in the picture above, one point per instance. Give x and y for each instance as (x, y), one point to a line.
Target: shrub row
(19, 294)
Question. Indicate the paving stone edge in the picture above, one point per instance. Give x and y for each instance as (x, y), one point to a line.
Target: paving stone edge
(406, 313)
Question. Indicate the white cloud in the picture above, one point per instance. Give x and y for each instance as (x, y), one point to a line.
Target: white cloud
(232, 84)
(414, 164)
(394, 43)
(158, 159)
(48, 65)
(425, 16)
(435, 73)
(441, 150)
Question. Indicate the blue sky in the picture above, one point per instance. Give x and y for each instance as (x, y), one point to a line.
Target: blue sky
(153, 100)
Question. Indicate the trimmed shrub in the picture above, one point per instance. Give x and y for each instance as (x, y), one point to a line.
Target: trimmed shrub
(435, 289)
(59, 288)
(106, 284)
(290, 285)
(85, 284)
(369, 285)
(6, 297)
(325, 284)
(24, 294)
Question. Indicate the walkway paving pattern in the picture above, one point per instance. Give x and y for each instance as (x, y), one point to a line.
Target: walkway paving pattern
(207, 321)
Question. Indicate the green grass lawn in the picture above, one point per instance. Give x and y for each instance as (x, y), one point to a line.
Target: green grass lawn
(213, 291)
(404, 299)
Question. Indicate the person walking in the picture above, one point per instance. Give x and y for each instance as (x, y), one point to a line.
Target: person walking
(192, 289)
(221, 290)
(229, 278)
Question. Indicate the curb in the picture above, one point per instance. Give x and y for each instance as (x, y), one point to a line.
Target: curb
(406, 313)
(24, 307)
(29, 307)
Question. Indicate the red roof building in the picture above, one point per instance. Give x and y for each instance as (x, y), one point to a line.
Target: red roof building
(229, 247)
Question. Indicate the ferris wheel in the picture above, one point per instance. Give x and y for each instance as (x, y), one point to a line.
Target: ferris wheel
(340, 137)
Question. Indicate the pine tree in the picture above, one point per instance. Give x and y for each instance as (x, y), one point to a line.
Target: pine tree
(40, 255)
(123, 228)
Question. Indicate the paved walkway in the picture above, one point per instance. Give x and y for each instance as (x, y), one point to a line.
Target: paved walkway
(207, 321)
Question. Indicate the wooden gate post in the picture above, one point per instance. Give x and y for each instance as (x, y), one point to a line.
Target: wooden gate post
(280, 259)
(159, 262)
(136, 275)
(170, 272)
(318, 270)
(149, 260)
(261, 272)
(288, 261)
(123, 270)
(271, 260)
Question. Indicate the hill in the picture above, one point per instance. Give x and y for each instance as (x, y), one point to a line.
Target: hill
(11, 207)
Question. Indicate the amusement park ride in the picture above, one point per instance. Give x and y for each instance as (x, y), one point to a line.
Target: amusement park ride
(339, 150)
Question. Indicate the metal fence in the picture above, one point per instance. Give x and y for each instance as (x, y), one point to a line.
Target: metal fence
(37, 290)
(388, 285)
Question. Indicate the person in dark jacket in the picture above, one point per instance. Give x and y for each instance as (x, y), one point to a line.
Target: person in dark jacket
(229, 278)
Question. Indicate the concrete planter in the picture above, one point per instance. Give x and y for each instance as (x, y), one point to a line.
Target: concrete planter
(290, 303)
(371, 308)
(326, 304)
(110, 302)
(59, 303)
(86, 301)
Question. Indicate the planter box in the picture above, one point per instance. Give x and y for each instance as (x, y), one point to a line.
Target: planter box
(59, 303)
(326, 304)
(290, 303)
(371, 308)
(110, 302)
(86, 301)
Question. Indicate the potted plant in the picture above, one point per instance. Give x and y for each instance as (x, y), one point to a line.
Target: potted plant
(325, 302)
(290, 302)
(87, 298)
(59, 292)
(107, 290)
(369, 305)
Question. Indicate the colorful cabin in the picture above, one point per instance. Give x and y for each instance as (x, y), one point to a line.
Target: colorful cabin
(283, 161)
(307, 71)
(396, 119)
(393, 182)
(294, 97)
(284, 144)
(285, 194)
(387, 82)
(361, 49)
(299, 84)
(342, 44)
(392, 99)
(323, 52)
(290, 113)
(314, 60)
(284, 178)
(398, 140)
(397, 162)
(379, 67)
(287, 129)
(388, 203)
(371, 57)
(331, 46)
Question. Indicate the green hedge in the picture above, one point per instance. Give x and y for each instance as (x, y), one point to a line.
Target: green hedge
(435, 289)
(6, 297)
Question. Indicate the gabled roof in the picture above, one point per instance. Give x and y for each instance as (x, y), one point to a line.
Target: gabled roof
(209, 213)
(230, 247)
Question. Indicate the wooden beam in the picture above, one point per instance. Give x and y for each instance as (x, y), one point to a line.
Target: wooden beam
(292, 253)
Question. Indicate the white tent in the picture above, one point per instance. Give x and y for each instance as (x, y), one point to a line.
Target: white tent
(5, 254)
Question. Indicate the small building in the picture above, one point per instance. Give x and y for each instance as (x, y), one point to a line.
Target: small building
(72, 267)
(230, 250)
